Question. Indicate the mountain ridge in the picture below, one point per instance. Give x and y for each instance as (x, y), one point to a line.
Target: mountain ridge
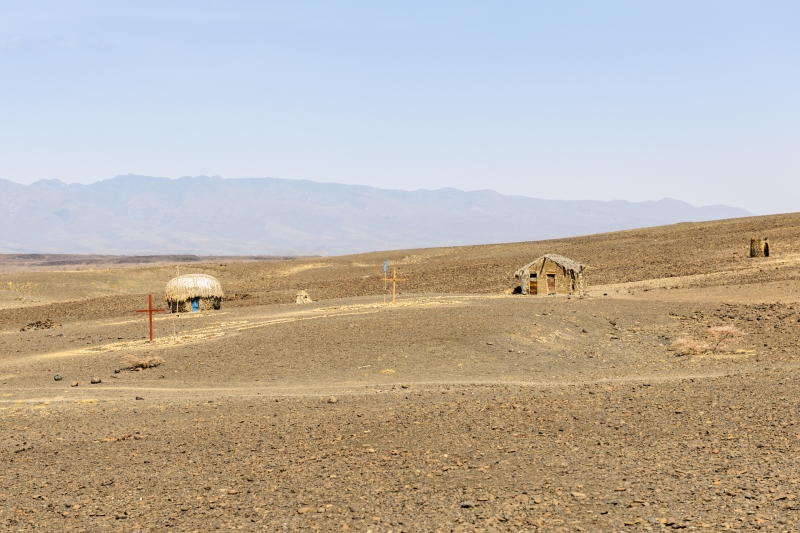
(133, 214)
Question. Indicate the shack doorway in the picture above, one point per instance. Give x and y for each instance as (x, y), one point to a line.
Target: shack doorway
(766, 249)
(195, 305)
(533, 286)
(551, 283)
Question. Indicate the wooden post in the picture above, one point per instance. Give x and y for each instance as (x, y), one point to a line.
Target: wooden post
(150, 310)
(394, 279)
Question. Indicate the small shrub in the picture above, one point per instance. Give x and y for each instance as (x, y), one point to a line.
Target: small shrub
(689, 346)
(719, 336)
(40, 324)
(132, 362)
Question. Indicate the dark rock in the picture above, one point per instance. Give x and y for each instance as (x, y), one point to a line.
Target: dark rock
(467, 505)
(57, 377)
(139, 398)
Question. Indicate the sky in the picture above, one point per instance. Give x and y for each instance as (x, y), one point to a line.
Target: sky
(698, 101)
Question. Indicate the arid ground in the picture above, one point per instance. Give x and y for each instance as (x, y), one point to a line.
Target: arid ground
(666, 398)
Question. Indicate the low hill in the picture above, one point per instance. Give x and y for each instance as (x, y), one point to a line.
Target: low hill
(681, 255)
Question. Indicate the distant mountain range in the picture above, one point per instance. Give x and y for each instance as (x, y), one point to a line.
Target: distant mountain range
(210, 215)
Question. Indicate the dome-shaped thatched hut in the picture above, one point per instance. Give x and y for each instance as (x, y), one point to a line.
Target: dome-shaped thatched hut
(193, 292)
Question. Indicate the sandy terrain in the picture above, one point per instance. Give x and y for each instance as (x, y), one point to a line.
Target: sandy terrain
(665, 399)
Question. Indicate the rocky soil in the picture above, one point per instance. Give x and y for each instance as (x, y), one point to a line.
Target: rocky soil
(655, 403)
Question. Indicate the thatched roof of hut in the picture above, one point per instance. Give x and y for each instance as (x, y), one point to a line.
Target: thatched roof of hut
(190, 286)
(564, 262)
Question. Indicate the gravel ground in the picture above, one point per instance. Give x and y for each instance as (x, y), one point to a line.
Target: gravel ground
(626, 455)
(656, 403)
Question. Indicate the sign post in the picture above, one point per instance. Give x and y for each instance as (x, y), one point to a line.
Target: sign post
(394, 279)
(385, 266)
(150, 310)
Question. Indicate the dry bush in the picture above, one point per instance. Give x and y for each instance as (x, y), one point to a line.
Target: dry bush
(688, 346)
(719, 336)
(726, 331)
(132, 362)
(40, 324)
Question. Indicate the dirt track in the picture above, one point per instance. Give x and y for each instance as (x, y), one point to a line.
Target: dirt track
(446, 412)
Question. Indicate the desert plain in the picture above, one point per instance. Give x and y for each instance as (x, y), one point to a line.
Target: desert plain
(665, 398)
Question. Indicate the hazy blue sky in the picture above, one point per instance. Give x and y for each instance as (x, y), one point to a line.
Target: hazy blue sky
(593, 100)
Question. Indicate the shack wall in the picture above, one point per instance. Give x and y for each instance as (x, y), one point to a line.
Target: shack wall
(206, 304)
(563, 280)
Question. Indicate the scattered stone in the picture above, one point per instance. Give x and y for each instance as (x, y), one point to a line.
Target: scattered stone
(578, 495)
(95, 381)
(467, 505)
(39, 324)
(332, 399)
(304, 510)
(73, 384)
(116, 371)
(139, 398)
(405, 385)
(57, 377)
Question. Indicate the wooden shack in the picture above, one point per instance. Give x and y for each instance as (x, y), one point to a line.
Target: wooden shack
(549, 275)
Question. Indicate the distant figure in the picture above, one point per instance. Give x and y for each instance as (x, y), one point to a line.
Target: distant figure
(303, 298)
(759, 247)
